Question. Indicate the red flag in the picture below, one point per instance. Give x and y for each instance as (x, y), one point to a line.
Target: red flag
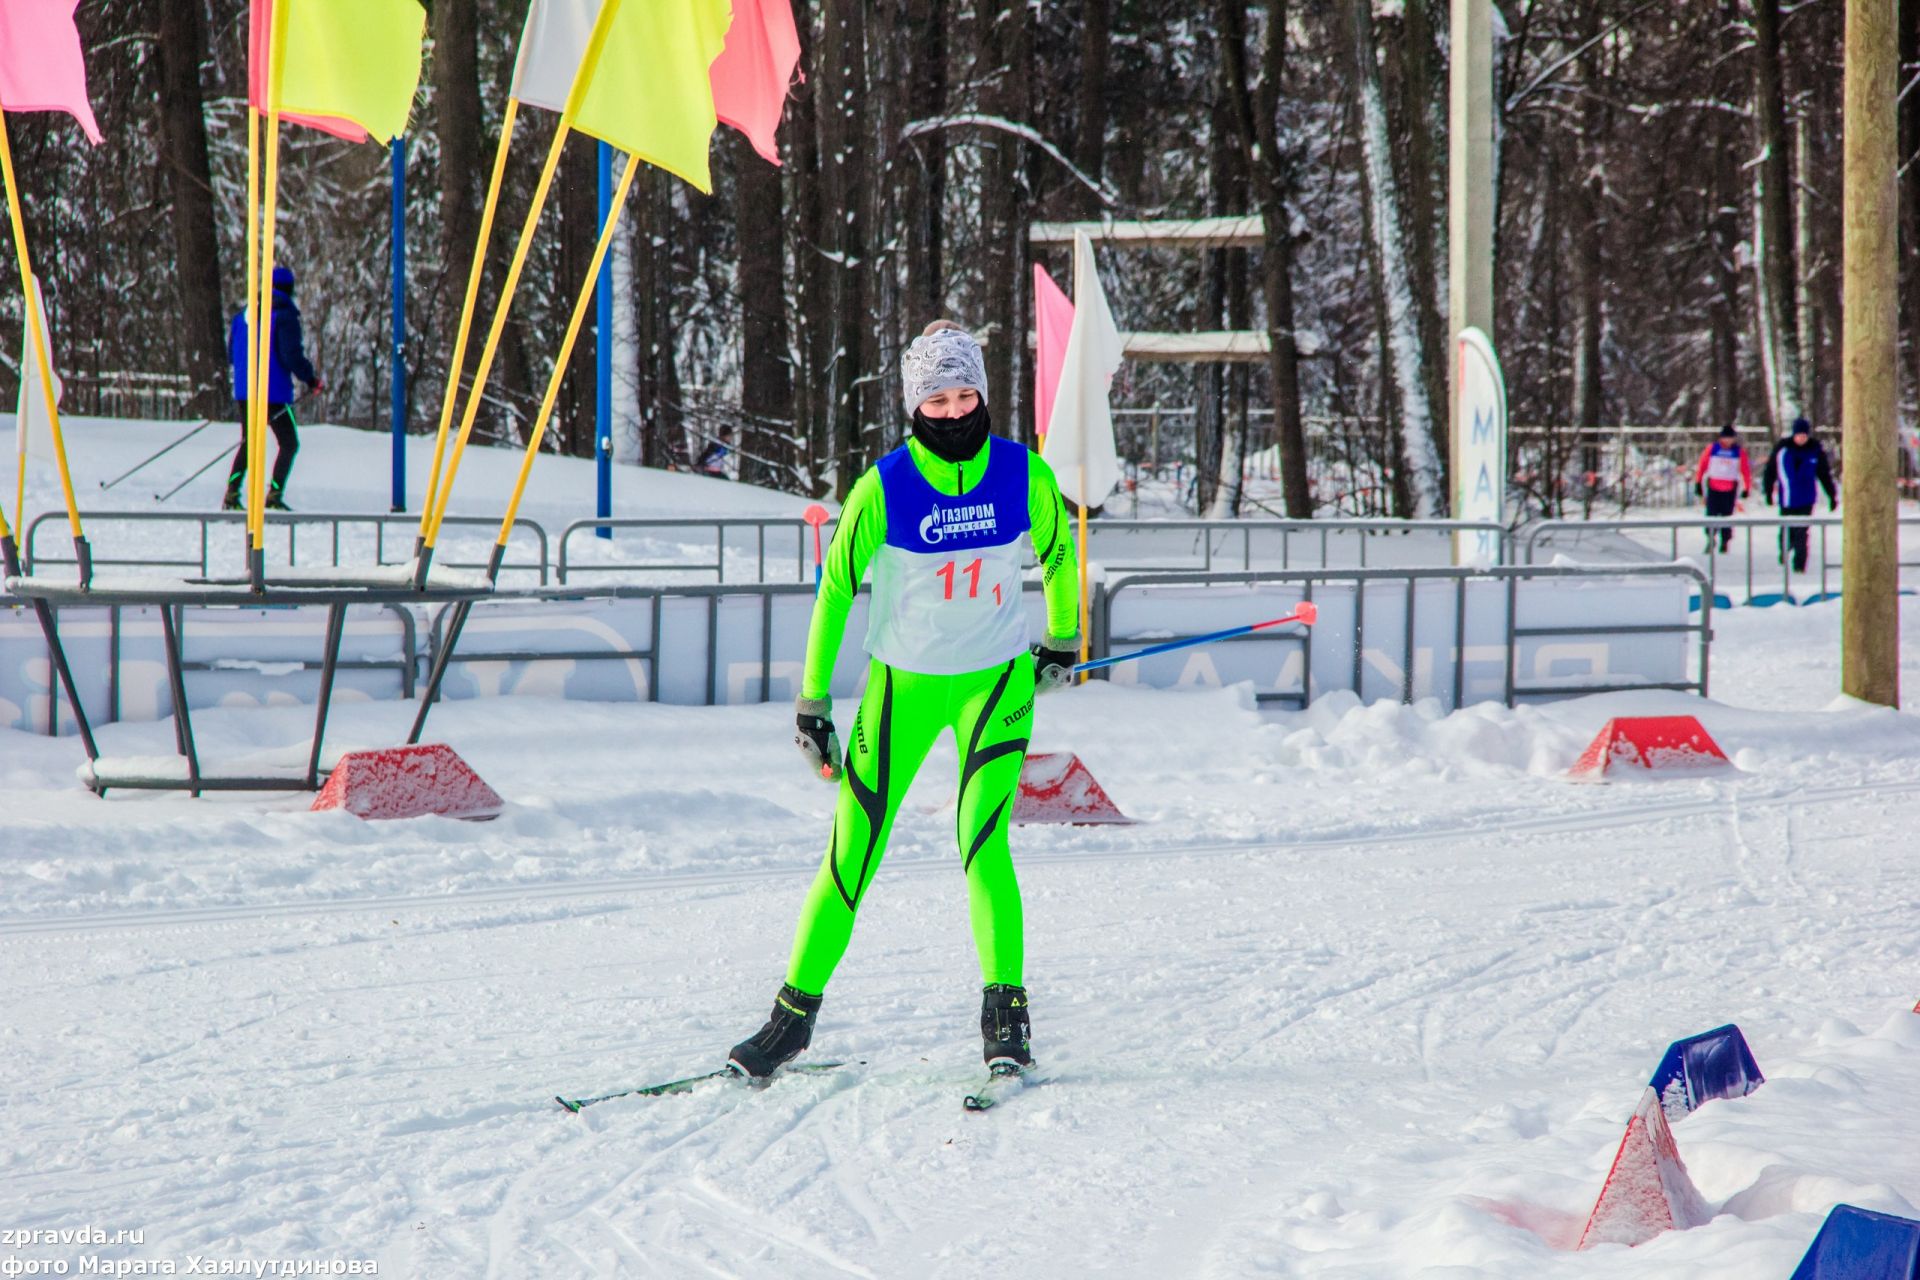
(40, 64)
(751, 75)
(259, 49)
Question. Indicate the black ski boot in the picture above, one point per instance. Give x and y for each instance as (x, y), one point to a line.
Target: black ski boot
(276, 499)
(1005, 1029)
(232, 501)
(789, 1029)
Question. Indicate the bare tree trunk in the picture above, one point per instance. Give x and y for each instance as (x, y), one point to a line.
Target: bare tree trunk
(662, 442)
(1409, 407)
(1590, 246)
(1408, 53)
(1090, 138)
(1006, 56)
(1910, 186)
(842, 71)
(766, 385)
(1723, 232)
(924, 173)
(196, 241)
(1269, 177)
(458, 118)
(579, 228)
(1775, 270)
(812, 301)
(1869, 396)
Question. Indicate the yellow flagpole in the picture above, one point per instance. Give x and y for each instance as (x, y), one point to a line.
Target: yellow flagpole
(248, 445)
(582, 78)
(257, 391)
(1086, 605)
(30, 291)
(574, 325)
(494, 332)
(474, 272)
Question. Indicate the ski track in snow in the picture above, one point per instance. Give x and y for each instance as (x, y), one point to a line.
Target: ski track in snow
(1368, 993)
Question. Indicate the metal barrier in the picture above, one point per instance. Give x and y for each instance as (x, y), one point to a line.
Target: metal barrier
(292, 521)
(1206, 541)
(1246, 531)
(1107, 643)
(717, 528)
(1821, 566)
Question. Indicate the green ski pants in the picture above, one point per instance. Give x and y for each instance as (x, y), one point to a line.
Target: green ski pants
(902, 713)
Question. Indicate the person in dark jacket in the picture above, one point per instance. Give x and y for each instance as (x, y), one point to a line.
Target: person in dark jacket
(713, 461)
(1798, 463)
(287, 361)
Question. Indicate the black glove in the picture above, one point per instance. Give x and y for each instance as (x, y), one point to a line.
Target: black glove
(1699, 490)
(1052, 668)
(1833, 504)
(1745, 494)
(814, 735)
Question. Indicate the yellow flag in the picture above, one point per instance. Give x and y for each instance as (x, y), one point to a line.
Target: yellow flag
(648, 93)
(357, 59)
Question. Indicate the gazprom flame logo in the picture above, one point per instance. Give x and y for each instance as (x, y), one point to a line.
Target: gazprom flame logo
(952, 522)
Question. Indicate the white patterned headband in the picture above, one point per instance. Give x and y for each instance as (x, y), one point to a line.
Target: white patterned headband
(940, 361)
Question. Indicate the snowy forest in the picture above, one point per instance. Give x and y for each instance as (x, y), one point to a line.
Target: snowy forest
(1667, 251)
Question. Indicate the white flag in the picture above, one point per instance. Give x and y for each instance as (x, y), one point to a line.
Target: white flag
(552, 44)
(1080, 446)
(33, 424)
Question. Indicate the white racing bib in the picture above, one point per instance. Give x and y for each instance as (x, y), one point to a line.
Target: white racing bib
(946, 583)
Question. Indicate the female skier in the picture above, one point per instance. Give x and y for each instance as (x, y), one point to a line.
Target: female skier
(940, 521)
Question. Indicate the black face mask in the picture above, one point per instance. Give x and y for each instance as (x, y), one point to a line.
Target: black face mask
(954, 439)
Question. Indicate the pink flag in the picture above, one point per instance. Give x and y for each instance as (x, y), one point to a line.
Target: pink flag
(1053, 318)
(259, 48)
(40, 64)
(751, 75)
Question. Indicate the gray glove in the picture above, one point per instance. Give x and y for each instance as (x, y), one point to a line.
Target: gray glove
(1053, 662)
(815, 736)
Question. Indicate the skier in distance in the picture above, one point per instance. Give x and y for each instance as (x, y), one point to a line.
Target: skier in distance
(939, 521)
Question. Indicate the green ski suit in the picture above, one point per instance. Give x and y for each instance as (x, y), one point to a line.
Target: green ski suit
(903, 712)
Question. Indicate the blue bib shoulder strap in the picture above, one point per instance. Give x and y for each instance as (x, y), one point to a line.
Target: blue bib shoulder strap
(923, 520)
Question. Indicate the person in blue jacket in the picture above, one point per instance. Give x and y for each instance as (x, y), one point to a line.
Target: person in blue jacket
(1798, 463)
(287, 361)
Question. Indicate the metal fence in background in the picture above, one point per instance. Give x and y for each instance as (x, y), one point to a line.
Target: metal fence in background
(194, 550)
(1744, 567)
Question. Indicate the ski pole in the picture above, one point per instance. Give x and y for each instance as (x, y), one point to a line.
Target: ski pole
(204, 468)
(1306, 613)
(815, 515)
(108, 484)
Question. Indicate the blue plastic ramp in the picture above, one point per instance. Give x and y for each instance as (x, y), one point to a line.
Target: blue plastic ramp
(1713, 1064)
(1858, 1244)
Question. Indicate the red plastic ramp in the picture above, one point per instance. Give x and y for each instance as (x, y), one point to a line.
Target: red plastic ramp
(1056, 787)
(1650, 743)
(1648, 1189)
(408, 782)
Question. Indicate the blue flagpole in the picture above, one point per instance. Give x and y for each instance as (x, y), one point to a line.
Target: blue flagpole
(399, 324)
(603, 356)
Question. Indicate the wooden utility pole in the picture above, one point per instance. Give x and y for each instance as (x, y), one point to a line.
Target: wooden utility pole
(1470, 194)
(1869, 337)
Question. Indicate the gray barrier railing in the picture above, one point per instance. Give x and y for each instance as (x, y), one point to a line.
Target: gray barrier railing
(700, 531)
(1205, 533)
(1512, 576)
(735, 627)
(1201, 544)
(401, 542)
(1821, 568)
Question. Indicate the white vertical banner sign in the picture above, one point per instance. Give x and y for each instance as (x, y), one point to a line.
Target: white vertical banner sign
(1480, 477)
(33, 424)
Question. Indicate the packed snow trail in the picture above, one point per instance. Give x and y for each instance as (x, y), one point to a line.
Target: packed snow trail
(1355, 1001)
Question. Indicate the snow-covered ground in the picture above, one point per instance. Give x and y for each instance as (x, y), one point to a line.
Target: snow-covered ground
(1368, 992)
